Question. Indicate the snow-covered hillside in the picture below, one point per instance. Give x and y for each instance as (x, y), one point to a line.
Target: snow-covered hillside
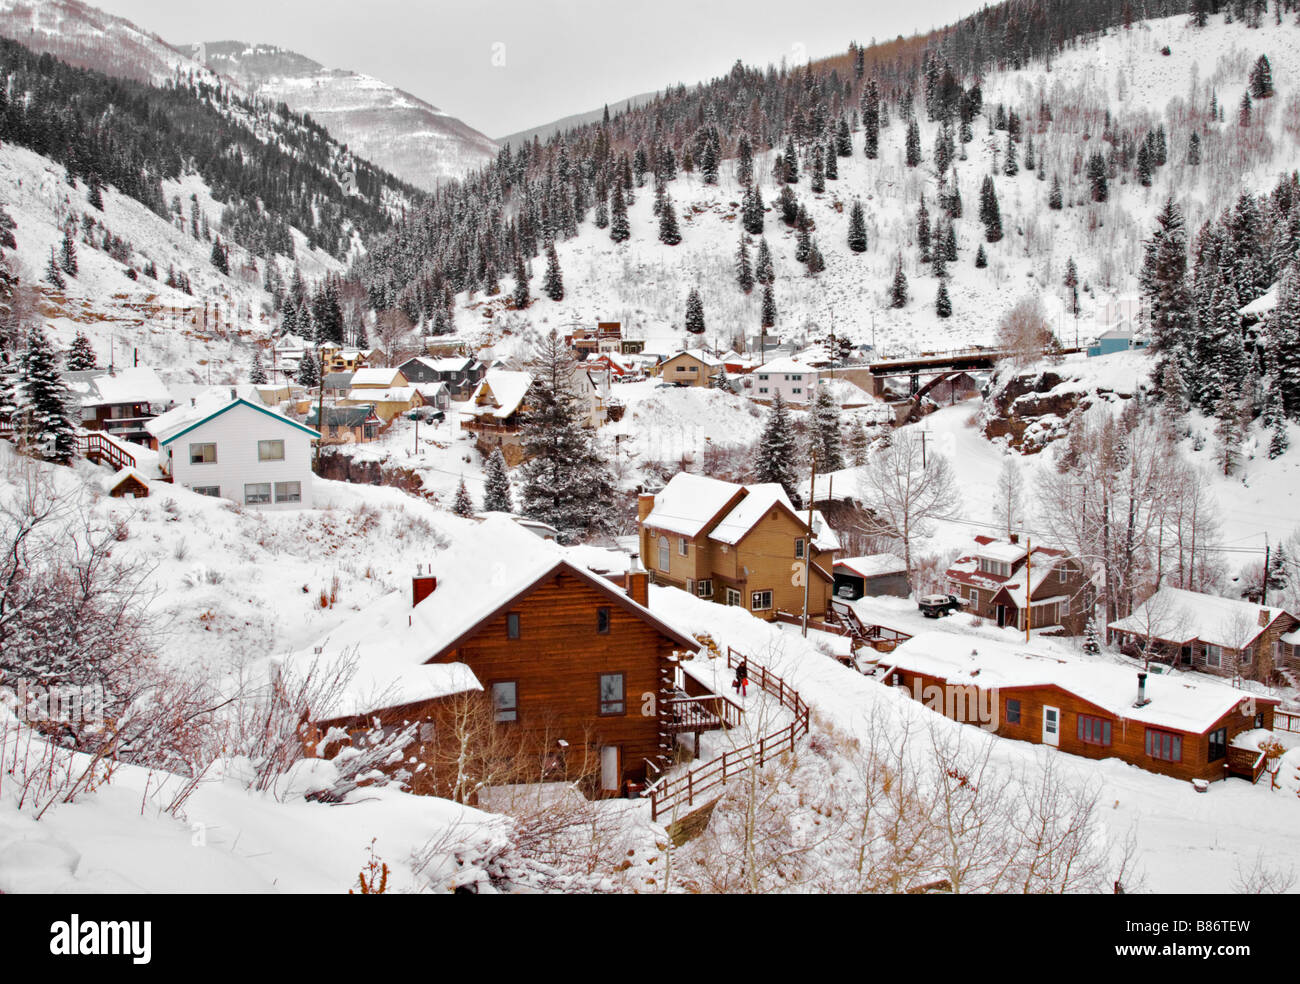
(644, 282)
(397, 131)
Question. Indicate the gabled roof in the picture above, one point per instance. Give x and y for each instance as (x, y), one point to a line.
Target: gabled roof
(1178, 616)
(506, 390)
(180, 421)
(966, 569)
(480, 576)
(378, 378)
(699, 355)
(344, 416)
(104, 387)
(1177, 701)
(689, 503)
(735, 526)
(786, 365)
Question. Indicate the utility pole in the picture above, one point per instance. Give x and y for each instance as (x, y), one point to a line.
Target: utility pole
(320, 405)
(1029, 608)
(1263, 594)
(807, 547)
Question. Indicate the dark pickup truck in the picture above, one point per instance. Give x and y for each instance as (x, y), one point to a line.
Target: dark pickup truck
(936, 606)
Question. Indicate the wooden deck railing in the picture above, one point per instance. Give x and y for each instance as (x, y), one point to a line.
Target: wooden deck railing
(101, 447)
(671, 794)
(1245, 762)
(701, 713)
(1286, 721)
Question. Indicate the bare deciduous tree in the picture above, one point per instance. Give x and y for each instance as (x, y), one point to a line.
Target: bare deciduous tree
(904, 495)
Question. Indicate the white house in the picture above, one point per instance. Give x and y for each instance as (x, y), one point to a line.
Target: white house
(232, 448)
(795, 381)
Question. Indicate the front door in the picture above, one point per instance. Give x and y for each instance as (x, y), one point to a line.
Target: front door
(1051, 726)
(609, 769)
(1002, 615)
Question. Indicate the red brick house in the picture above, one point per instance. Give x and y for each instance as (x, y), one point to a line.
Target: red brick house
(996, 578)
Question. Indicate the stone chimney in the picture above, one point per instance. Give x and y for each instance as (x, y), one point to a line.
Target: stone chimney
(422, 585)
(645, 503)
(1265, 616)
(637, 583)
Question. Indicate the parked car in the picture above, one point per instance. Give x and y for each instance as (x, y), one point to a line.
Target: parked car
(938, 605)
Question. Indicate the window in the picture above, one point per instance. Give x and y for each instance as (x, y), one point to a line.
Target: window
(1062, 574)
(762, 389)
(270, 450)
(704, 588)
(762, 378)
(203, 454)
(1213, 655)
(1164, 746)
(798, 546)
(512, 625)
(1218, 745)
(505, 701)
(1013, 711)
(1065, 606)
(974, 597)
(681, 545)
(611, 694)
(212, 490)
(288, 491)
(1093, 730)
(760, 601)
(1246, 656)
(257, 493)
(602, 621)
(733, 596)
(796, 389)
(663, 553)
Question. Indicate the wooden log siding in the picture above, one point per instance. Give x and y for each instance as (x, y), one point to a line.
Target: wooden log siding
(1128, 737)
(558, 659)
(669, 795)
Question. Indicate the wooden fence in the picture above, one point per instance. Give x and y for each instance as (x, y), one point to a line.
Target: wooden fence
(1286, 721)
(671, 794)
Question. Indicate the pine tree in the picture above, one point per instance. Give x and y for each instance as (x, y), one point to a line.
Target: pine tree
(826, 445)
(496, 494)
(923, 231)
(1244, 113)
(744, 161)
(774, 459)
(68, 253)
(744, 269)
(1143, 166)
(818, 182)
(1054, 199)
(1275, 422)
(764, 272)
(308, 370)
(1194, 149)
(553, 284)
(94, 192)
(832, 163)
(789, 205)
(1071, 282)
(1010, 166)
(857, 228)
(618, 227)
(521, 296)
(52, 274)
(803, 238)
(1261, 79)
(913, 147)
(42, 402)
(1283, 339)
(752, 211)
(219, 257)
(789, 163)
(981, 258)
(769, 307)
(694, 312)
(1097, 180)
(256, 373)
(1164, 288)
(566, 482)
(815, 262)
(942, 305)
(463, 504)
(81, 355)
(669, 233)
(990, 214)
(1228, 432)
(950, 244)
(898, 291)
(871, 119)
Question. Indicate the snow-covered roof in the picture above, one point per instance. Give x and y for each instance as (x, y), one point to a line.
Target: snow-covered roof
(824, 537)
(104, 387)
(1179, 616)
(1001, 550)
(202, 408)
(508, 389)
(748, 511)
(1176, 700)
(483, 571)
(689, 502)
(699, 355)
(1262, 305)
(378, 377)
(394, 394)
(110, 482)
(786, 365)
(872, 565)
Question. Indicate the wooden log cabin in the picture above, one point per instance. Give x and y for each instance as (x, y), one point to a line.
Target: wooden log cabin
(570, 661)
(1172, 725)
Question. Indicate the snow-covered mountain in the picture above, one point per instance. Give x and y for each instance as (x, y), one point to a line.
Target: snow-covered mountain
(397, 131)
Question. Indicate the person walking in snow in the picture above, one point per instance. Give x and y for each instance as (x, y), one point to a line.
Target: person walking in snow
(741, 683)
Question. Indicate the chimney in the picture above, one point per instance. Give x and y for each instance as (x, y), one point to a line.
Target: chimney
(1265, 616)
(1142, 700)
(637, 584)
(422, 585)
(645, 503)
(1015, 537)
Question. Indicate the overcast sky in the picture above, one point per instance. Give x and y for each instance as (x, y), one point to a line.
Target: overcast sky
(508, 65)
